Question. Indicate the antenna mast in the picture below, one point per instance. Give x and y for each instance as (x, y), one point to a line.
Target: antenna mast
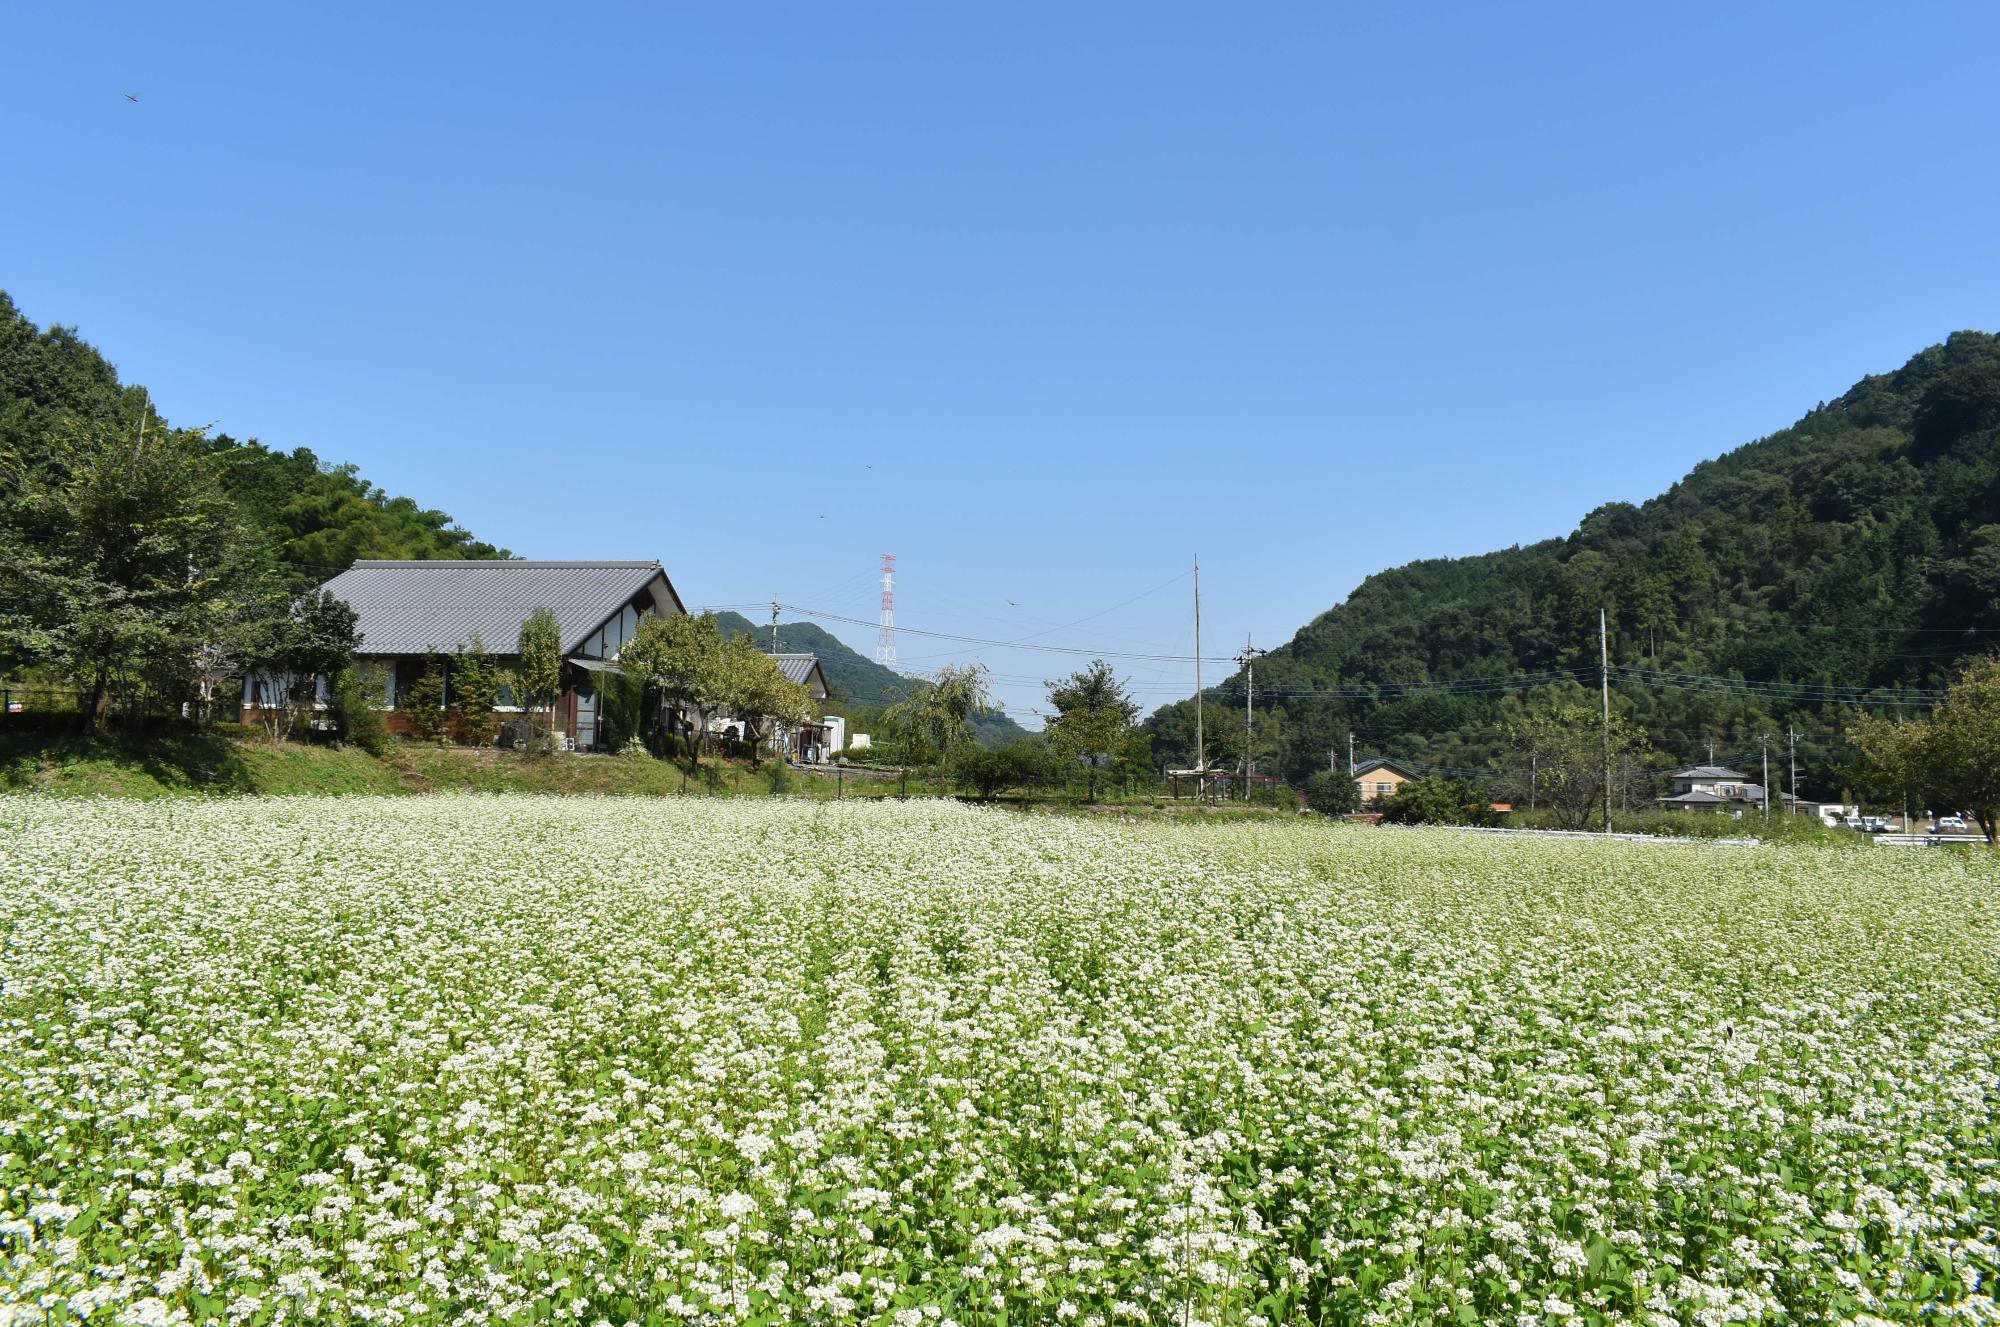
(885, 631)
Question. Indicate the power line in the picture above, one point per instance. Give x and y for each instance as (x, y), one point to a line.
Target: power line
(1808, 692)
(1820, 692)
(822, 615)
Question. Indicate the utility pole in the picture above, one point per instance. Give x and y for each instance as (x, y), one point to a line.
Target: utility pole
(1792, 780)
(1350, 753)
(1765, 739)
(1249, 661)
(774, 624)
(1604, 676)
(1200, 748)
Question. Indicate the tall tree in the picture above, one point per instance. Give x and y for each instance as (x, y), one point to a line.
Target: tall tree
(475, 690)
(423, 702)
(1951, 760)
(1558, 760)
(1094, 717)
(753, 689)
(119, 545)
(538, 678)
(310, 519)
(680, 660)
(303, 652)
(938, 718)
(1333, 792)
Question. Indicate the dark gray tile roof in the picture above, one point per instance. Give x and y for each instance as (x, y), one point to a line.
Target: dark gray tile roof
(1706, 772)
(1373, 763)
(411, 607)
(799, 667)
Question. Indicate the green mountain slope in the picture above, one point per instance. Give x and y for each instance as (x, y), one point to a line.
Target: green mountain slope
(315, 517)
(857, 682)
(1859, 548)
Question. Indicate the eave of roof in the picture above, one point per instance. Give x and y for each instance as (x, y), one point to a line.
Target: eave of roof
(1373, 763)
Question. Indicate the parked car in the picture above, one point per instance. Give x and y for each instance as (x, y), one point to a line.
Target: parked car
(1949, 825)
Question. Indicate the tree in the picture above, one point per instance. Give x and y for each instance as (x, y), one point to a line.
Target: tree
(1332, 793)
(1094, 717)
(1965, 400)
(234, 626)
(475, 690)
(422, 702)
(1558, 759)
(987, 771)
(304, 649)
(538, 679)
(113, 550)
(936, 719)
(1436, 800)
(1951, 760)
(751, 687)
(680, 662)
(356, 693)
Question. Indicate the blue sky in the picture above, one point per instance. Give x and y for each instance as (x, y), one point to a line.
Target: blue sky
(1043, 299)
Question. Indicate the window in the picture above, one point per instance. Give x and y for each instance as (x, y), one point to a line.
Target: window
(1384, 789)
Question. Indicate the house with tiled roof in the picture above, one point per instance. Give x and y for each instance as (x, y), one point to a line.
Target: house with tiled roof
(1378, 777)
(1715, 788)
(408, 612)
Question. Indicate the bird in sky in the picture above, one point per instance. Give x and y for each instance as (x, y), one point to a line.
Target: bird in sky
(131, 96)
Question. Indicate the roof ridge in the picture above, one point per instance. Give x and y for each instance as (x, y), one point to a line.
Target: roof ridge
(504, 562)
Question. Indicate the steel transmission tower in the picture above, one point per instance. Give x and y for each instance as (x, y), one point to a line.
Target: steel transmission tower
(885, 633)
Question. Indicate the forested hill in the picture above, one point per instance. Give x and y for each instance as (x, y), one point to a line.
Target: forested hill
(1859, 548)
(316, 517)
(858, 683)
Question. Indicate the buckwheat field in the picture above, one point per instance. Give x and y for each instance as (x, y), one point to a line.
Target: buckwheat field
(508, 1060)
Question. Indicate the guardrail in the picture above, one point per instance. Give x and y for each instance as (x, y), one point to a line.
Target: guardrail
(1925, 840)
(1621, 836)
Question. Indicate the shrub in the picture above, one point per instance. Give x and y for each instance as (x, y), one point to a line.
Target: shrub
(1435, 800)
(475, 690)
(422, 702)
(355, 691)
(1332, 793)
(986, 771)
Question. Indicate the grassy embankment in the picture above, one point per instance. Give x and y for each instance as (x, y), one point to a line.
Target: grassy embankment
(182, 765)
(194, 765)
